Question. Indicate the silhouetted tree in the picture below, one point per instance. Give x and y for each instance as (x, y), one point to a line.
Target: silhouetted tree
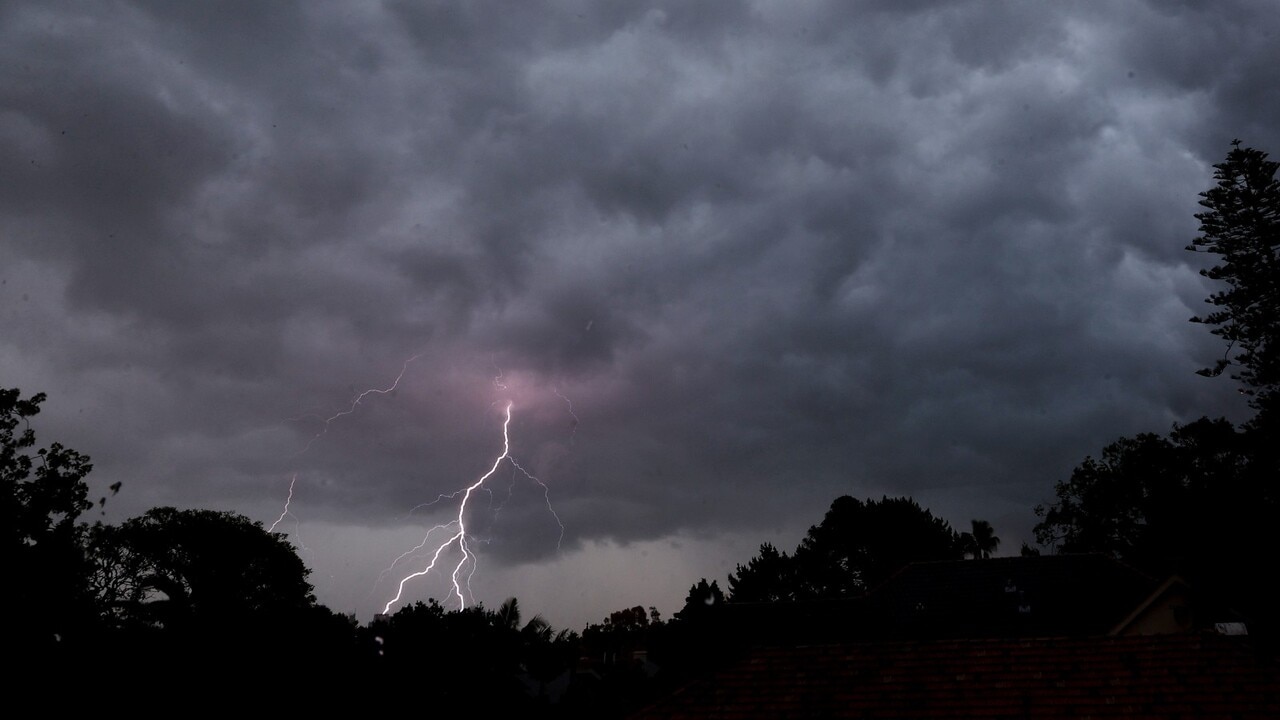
(42, 494)
(633, 657)
(1151, 499)
(1200, 502)
(981, 542)
(856, 546)
(451, 656)
(461, 657)
(508, 614)
(537, 631)
(701, 601)
(632, 619)
(1242, 225)
(860, 544)
(625, 630)
(183, 569)
(767, 577)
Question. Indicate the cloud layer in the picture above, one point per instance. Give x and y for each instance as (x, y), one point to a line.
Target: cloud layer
(764, 253)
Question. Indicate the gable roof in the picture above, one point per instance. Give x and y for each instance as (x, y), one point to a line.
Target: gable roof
(1168, 591)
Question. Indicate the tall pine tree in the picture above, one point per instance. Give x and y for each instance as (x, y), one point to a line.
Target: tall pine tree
(1242, 226)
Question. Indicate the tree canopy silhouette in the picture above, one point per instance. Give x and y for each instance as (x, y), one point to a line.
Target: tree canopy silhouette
(767, 577)
(856, 546)
(702, 599)
(1242, 226)
(182, 568)
(981, 541)
(42, 495)
(860, 544)
(1155, 501)
(463, 656)
(1200, 502)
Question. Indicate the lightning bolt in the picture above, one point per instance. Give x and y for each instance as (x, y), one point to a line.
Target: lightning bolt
(324, 429)
(356, 402)
(429, 503)
(285, 512)
(573, 426)
(458, 528)
(546, 494)
(411, 552)
(497, 379)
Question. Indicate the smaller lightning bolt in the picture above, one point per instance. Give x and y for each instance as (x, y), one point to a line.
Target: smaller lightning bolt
(324, 429)
(288, 500)
(518, 469)
(546, 494)
(497, 379)
(411, 552)
(429, 503)
(297, 538)
(573, 426)
(356, 402)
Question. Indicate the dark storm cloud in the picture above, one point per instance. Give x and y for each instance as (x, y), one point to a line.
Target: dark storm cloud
(771, 252)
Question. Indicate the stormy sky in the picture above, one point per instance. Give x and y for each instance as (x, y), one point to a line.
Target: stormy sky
(727, 260)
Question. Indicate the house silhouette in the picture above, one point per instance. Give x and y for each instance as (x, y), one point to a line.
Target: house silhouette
(1055, 637)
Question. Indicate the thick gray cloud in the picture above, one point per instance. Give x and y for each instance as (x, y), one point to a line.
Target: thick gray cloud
(766, 253)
